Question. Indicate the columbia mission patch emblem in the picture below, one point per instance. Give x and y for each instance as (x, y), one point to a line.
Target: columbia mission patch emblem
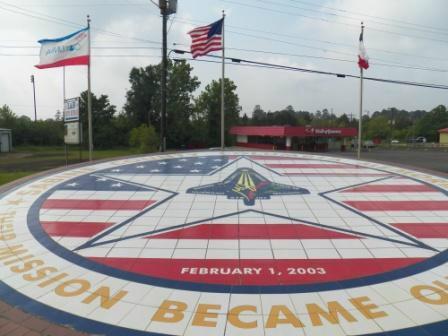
(230, 243)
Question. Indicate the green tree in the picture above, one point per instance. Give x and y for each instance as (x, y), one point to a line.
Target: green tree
(104, 132)
(431, 123)
(378, 128)
(343, 121)
(258, 116)
(7, 117)
(208, 108)
(143, 103)
(28, 132)
(287, 116)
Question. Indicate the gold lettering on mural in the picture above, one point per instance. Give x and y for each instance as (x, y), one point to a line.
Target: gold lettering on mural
(205, 315)
(106, 301)
(435, 294)
(281, 314)
(20, 261)
(170, 312)
(367, 308)
(234, 317)
(331, 314)
(6, 226)
(247, 316)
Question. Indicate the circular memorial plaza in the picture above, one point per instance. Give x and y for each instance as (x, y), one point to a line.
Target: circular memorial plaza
(229, 243)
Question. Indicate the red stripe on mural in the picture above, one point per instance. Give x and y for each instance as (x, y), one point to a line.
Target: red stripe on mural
(398, 205)
(335, 174)
(74, 229)
(274, 158)
(80, 60)
(257, 272)
(424, 230)
(392, 188)
(309, 165)
(253, 231)
(96, 204)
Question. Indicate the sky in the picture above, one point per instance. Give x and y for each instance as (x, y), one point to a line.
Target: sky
(405, 40)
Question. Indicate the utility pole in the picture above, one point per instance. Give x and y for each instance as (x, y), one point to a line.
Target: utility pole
(34, 94)
(163, 11)
(167, 7)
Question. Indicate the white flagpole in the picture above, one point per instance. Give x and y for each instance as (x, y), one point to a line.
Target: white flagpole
(63, 110)
(360, 106)
(360, 115)
(63, 86)
(222, 84)
(89, 98)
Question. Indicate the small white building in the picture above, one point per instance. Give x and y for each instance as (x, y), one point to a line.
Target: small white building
(5, 140)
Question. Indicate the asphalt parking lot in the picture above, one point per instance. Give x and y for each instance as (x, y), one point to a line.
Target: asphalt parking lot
(435, 161)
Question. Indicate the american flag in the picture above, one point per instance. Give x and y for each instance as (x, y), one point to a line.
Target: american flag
(206, 39)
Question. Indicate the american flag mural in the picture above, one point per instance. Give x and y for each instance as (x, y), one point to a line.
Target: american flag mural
(199, 218)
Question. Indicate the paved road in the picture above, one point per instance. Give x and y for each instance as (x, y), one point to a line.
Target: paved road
(435, 161)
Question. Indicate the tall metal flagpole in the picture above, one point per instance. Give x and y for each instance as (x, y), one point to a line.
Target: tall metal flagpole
(360, 105)
(360, 115)
(63, 109)
(222, 84)
(34, 95)
(89, 98)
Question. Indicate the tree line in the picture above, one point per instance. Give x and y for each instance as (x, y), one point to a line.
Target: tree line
(385, 125)
(194, 121)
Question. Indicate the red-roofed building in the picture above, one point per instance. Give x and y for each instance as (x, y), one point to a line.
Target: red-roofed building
(443, 139)
(293, 137)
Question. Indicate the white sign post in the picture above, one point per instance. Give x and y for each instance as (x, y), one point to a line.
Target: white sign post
(72, 128)
(71, 109)
(72, 134)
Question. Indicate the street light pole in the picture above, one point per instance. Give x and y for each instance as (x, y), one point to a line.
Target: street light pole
(34, 94)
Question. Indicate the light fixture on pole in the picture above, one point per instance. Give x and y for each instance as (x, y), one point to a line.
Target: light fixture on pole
(34, 95)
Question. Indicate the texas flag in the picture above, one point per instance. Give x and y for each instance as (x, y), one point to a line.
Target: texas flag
(363, 59)
(69, 50)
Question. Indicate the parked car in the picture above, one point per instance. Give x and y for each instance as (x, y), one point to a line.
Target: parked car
(368, 144)
(394, 142)
(419, 139)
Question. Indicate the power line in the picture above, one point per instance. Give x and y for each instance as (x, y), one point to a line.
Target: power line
(290, 36)
(307, 46)
(367, 15)
(171, 24)
(183, 20)
(330, 21)
(393, 65)
(301, 45)
(93, 55)
(90, 5)
(74, 24)
(329, 73)
(399, 66)
(93, 47)
(350, 17)
(48, 18)
(341, 60)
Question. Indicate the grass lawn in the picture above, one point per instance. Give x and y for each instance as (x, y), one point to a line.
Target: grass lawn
(29, 160)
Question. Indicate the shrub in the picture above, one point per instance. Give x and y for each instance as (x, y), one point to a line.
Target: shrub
(145, 139)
